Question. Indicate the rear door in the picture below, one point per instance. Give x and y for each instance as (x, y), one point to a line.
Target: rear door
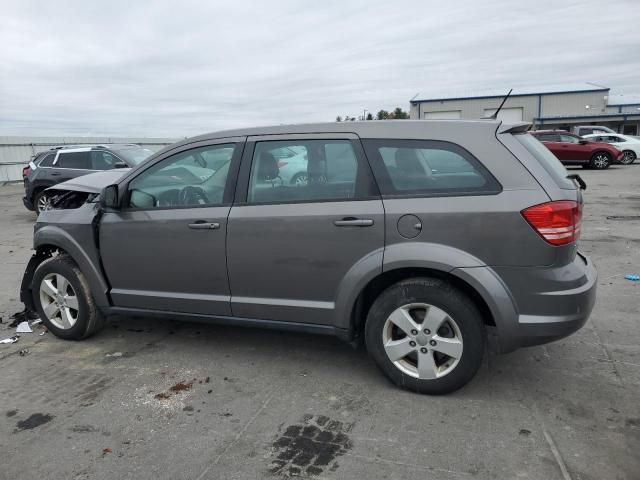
(165, 249)
(70, 164)
(299, 224)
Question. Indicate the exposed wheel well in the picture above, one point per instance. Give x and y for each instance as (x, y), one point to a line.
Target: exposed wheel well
(376, 286)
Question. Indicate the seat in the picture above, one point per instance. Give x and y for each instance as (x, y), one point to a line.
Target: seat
(410, 173)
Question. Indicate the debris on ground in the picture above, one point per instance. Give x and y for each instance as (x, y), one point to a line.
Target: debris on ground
(20, 317)
(37, 321)
(23, 352)
(162, 396)
(13, 339)
(181, 386)
(114, 354)
(632, 277)
(43, 332)
(23, 327)
(106, 451)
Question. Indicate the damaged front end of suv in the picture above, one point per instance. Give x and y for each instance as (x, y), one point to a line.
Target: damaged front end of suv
(67, 227)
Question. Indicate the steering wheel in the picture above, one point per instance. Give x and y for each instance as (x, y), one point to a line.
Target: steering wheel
(191, 195)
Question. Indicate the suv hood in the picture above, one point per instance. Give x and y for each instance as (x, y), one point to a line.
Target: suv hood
(93, 182)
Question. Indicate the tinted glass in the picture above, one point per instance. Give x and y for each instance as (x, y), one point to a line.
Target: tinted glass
(547, 159)
(414, 167)
(192, 178)
(47, 160)
(317, 170)
(78, 160)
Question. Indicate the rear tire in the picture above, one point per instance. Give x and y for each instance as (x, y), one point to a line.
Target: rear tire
(426, 336)
(600, 161)
(63, 299)
(42, 201)
(629, 157)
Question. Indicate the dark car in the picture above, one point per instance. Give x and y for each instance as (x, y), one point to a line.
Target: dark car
(574, 150)
(414, 237)
(64, 163)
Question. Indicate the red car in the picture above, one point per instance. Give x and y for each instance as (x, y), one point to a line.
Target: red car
(574, 150)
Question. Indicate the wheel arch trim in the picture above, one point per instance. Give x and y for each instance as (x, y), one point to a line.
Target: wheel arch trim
(50, 236)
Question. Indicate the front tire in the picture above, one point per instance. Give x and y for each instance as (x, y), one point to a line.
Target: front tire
(628, 157)
(426, 336)
(63, 299)
(600, 161)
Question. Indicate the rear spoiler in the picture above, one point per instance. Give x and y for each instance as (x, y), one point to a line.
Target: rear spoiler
(513, 127)
(578, 179)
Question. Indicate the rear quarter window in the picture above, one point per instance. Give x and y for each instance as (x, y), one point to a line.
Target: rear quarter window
(428, 168)
(547, 159)
(47, 160)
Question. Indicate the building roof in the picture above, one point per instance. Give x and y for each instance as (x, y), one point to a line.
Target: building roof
(619, 99)
(517, 91)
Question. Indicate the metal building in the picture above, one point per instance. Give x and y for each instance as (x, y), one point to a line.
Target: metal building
(546, 107)
(15, 152)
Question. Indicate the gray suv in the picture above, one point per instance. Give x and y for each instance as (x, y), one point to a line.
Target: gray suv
(70, 161)
(417, 237)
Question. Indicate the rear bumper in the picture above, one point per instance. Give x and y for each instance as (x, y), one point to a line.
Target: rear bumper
(552, 303)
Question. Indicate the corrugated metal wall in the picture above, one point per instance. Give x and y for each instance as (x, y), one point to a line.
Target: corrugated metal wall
(15, 152)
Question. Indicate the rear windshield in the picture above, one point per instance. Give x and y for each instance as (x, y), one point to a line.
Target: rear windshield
(547, 159)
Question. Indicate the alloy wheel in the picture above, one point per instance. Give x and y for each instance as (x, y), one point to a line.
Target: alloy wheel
(44, 203)
(629, 157)
(59, 301)
(422, 341)
(601, 160)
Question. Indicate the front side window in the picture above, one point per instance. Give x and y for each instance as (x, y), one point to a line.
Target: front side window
(426, 167)
(101, 160)
(303, 170)
(569, 139)
(191, 178)
(77, 160)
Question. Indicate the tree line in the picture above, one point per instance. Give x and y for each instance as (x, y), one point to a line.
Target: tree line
(397, 114)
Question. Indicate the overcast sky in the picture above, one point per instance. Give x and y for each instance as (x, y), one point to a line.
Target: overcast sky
(173, 69)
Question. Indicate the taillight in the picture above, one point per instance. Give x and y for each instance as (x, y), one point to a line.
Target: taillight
(25, 172)
(557, 222)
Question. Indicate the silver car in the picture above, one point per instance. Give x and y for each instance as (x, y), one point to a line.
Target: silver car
(414, 237)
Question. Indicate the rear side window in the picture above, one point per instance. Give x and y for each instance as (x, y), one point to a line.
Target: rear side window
(548, 137)
(305, 171)
(47, 160)
(78, 160)
(428, 167)
(547, 159)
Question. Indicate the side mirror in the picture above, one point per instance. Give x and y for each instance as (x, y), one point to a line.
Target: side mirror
(583, 142)
(121, 165)
(109, 197)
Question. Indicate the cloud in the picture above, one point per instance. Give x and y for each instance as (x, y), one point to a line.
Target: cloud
(182, 68)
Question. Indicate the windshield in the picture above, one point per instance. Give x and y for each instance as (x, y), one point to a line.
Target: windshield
(134, 155)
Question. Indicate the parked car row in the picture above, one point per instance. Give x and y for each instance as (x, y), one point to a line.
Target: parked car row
(597, 150)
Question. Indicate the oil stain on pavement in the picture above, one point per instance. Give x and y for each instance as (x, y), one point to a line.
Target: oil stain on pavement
(33, 421)
(308, 448)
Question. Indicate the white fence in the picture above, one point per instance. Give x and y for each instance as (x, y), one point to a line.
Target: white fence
(15, 152)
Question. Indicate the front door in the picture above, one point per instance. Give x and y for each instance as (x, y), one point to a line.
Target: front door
(571, 149)
(306, 212)
(165, 248)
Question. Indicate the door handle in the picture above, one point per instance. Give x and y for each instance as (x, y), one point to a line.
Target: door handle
(55, 174)
(202, 225)
(353, 222)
